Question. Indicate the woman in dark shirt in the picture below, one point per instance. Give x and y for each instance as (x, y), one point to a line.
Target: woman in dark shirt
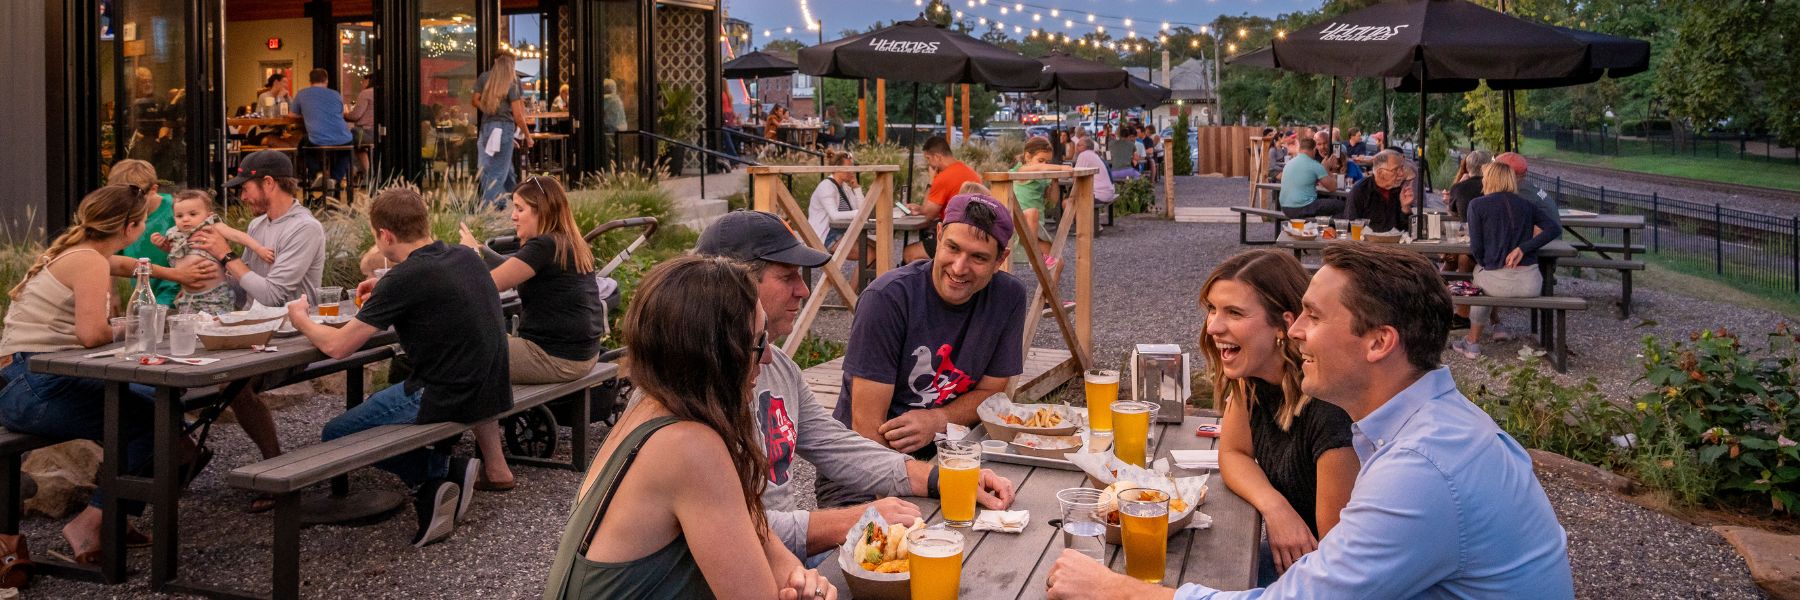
(1279, 450)
(1386, 198)
(559, 332)
(1504, 248)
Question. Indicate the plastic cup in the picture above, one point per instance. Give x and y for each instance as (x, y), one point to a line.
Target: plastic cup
(993, 447)
(119, 326)
(329, 298)
(1356, 228)
(1084, 521)
(183, 334)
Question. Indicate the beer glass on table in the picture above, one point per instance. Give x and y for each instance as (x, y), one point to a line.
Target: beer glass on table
(1084, 521)
(1144, 521)
(1131, 431)
(329, 297)
(935, 560)
(959, 479)
(1102, 390)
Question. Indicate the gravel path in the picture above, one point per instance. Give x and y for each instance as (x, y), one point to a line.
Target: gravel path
(1145, 291)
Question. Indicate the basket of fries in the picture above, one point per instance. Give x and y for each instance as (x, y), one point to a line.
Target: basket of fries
(874, 558)
(1005, 420)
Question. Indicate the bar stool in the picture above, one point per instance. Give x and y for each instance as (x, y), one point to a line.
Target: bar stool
(328, 156)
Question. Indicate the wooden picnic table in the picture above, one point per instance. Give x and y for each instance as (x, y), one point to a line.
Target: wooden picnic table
(1015, 565)
(1275, 190)
(1573, 222)
(262, 121)
(163, 488)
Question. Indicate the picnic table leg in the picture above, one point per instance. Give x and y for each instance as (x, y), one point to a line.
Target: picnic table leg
(1625, 275)
(112, 520)
(1562, 341)
(165, 547)
(353, 395)
(13, 507)
(578, 431)
(285, 584)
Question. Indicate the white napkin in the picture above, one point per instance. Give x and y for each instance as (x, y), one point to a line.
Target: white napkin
(1201, 521)
(1004, 521)
(1195, 459)
(952, 431)
(492, 146)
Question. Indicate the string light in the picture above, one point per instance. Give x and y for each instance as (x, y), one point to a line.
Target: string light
(1067, 23)
(1090, 17)
(1003, 10)
(1035, 17)
(1055, 13)
(1128, 22)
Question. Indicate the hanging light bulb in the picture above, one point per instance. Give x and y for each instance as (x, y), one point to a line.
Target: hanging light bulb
(1035, 17)
(1165, 26)
(1003, 11)
(1162, 39)
(766, 33)
(1099, 29)
(1055, 12)
(1018, 6)
(1243, 32)
(981, 20)
(790, 29)
(1130, 34)
(1281, 34)
(1127, 21)
(1068, 23)
(1204, 30)
(1193, 43)
(1018, 29)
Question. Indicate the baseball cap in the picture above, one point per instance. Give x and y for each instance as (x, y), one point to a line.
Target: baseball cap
(1514, 160)
(957, 211)
(751, 235)
(260, 164)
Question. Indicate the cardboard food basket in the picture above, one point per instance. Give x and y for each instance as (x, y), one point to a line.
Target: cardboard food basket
(996, 407)
(237, 337)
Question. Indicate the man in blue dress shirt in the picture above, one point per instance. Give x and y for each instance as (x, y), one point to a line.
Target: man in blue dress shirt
(1445, 506)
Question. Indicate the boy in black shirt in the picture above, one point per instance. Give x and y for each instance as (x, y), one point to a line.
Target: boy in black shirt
(442, 303)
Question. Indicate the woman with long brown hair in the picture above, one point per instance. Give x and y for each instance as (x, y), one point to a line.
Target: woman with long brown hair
(61, 304)
(655, 520)
(502, 104)
(1284, 453)
(560, 315)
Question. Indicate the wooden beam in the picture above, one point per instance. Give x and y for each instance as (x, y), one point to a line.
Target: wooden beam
(816, 169)
(1084, 272)
(965, 113)
(881, 111)
(881, 193)
(1002, 191)
(797, 216)
(1169, 179)
(762, 193)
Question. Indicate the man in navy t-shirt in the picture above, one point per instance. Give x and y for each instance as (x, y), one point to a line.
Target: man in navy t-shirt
(321, 110)
(935, 338)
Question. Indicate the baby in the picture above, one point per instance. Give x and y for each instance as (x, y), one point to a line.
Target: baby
(194, 210)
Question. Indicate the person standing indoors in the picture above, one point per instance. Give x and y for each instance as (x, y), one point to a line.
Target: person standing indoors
(361, 116)
(1446, 505)
(644, 525)
(560, 318)
(502, 105)
(1285, 453)
(1504, 247)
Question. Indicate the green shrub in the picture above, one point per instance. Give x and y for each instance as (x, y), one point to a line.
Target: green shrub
(1134, 196)
(1731, 405)
(815, 350)
(1183, 164)
(1538, 411)
(1665, 464)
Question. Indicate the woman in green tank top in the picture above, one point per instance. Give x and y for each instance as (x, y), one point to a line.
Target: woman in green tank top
(655, 520)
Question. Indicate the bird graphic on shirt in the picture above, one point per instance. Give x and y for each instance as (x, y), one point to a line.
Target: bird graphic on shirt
(935, 386)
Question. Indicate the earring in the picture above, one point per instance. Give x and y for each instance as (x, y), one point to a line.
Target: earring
(1281, 340)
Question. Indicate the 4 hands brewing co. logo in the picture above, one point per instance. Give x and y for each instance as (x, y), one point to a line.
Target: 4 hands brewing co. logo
(903, 47)
(1340, 32)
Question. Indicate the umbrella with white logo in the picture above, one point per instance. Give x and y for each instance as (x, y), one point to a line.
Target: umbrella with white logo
(1453, 41)
(920, 51)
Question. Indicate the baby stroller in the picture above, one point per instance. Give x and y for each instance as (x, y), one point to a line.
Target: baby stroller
(533, 433)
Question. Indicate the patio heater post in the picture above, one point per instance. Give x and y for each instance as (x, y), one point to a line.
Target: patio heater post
(1418, 225)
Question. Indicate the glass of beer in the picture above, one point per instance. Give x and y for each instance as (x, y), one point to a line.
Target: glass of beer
(959, 477)
(1084, 521)
(1102, 389)
(329, 297)
(935, 560)
(1131, 430)
(1144, 518)
(1356, 228)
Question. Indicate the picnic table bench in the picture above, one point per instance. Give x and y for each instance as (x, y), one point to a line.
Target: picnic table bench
(1574, 223)
(1015, 565)
(1245, 212)
(287, 475)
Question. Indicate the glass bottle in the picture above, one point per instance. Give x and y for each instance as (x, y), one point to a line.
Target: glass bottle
(140, 340)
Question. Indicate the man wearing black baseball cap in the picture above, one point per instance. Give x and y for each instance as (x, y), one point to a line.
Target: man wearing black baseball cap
(791, 419)
(933, 339)
(265, 181)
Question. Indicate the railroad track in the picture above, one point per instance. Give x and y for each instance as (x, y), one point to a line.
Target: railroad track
(1698, 184)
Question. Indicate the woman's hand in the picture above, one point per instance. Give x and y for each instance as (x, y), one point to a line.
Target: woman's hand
(468, 237)
(1514, 258)
(807, 584)
(1289, 538)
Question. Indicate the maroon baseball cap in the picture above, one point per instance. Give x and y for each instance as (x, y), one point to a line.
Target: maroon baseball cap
(1514, 160)
(957, 211)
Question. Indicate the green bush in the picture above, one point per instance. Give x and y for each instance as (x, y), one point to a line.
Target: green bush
(1134, 196)
(1538, 411)
(1731, 405)
(1665, 464)
(815, 350)
(1183, 164)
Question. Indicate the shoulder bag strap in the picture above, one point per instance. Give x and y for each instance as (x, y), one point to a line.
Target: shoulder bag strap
(585, 520)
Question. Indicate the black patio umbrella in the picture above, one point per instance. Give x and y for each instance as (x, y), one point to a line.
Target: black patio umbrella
(1429, 40)
(920, 51)
(1136, 92)
(1064, 72)
(757, 65)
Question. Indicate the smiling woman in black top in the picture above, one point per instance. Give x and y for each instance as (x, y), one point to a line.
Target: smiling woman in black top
(1285, 454)
(559, 331)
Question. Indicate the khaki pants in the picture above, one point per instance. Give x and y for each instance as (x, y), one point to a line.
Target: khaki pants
(530, 364)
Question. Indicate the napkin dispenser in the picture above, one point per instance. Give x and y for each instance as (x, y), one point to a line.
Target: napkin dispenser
(1160, 375)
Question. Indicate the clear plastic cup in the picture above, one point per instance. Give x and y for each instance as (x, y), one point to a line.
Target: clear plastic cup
(184, 334)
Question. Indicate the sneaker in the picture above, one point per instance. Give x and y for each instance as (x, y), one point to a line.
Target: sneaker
(436, 504)
(1468, 349)
(466, 473)
(1458, 322)
(1497, 334)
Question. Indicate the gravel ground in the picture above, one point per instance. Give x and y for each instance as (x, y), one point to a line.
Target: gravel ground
(1145, 291)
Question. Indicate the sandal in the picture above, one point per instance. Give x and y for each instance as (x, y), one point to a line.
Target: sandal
(496, 486)
(262, 503)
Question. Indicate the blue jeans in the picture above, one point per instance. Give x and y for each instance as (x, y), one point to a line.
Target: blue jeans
(496, 170)
(74, 408)
(392, 406)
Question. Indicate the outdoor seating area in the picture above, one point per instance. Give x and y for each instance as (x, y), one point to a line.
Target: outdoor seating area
(611, 299)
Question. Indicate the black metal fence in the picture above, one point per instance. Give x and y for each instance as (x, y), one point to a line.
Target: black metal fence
(1737, 246)
(1648, 142)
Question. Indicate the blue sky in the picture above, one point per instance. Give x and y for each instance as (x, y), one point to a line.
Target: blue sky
(777, 15)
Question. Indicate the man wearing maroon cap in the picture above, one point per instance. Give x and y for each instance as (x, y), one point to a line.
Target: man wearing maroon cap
(935, 338)
(1535, 194)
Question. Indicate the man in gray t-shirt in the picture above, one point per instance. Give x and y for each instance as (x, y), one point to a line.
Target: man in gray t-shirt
(794, 423)
(1535, 194)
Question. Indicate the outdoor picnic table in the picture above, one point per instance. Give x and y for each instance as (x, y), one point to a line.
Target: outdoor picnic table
(1015, 565)
(1573, 222)
(262, 121)
(1275, 190)
(163, 488)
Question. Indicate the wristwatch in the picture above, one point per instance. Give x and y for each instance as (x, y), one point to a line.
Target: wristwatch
(229, 256)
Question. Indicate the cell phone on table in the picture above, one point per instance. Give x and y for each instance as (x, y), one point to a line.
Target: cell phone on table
(1207, 430)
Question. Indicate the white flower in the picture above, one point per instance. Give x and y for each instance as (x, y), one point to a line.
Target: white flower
(1785, 442)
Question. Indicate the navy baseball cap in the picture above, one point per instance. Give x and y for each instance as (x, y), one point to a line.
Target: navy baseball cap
(260, 164)
(752, 235)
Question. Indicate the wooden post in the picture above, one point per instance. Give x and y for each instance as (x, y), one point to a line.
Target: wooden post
(881, 111)
(773, 197)
(1084, 268)
(965, 113)
(950, 117)
(881, 193)
(862, 112)
(1169, 179)
(1079, 341)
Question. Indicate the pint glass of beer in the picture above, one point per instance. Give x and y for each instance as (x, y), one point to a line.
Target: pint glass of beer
(1144, 518)
(1102, 390)
(1131, 430)
(329, 297)
(935, 560)
(959, 477)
